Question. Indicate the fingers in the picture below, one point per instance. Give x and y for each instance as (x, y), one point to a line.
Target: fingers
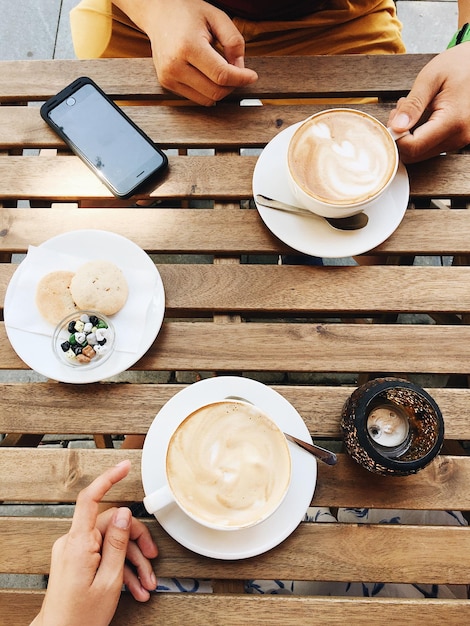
(138, 574)
(197, 50)
(439, 132)
(415, 150)
(139, 533)
(409, 110)
(206, 79)
(229, 38)
(220, 71)
(192, 65)
(115, 544)
(86, 510)
(134, 585)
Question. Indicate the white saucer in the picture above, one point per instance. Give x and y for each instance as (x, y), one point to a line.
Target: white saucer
(35, 349)
(315, 236)
(235, 544)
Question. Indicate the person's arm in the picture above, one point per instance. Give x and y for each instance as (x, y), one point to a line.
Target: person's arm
(88, 565)
(441, 96)
(197, 51)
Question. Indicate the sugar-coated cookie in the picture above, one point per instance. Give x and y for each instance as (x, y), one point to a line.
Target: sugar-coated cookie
(53, 297)
(99, 286)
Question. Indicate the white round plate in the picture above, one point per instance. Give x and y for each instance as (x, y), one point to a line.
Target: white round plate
(312, 235)
(36, 349)
(230, 544)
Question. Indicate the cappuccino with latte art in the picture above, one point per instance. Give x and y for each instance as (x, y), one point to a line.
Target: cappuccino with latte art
(340, 160)
(228, 466)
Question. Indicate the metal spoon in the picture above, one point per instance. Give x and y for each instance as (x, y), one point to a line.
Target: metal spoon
(324, 455)
(354, 222)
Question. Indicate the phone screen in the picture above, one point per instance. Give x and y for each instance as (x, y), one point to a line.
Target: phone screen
(111, 146)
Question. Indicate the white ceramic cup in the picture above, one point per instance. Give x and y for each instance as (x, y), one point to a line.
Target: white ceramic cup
(340, 161)
(228, 466)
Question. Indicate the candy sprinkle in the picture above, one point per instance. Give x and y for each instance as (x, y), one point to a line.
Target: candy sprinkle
(88, 339)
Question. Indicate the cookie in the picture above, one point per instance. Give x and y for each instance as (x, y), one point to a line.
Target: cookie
(53, 297)
(99, 286)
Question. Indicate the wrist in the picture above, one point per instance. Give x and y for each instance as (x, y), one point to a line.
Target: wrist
(462, 35)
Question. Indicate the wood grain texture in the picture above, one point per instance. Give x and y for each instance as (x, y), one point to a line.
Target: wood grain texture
(136, 78)
(166, 230)
(293, 290)
(296, 347)
(60, 474)
(290, 611)
(173, 127)
(20, 607)
(242, 312)
(334, 551)
(66, 178)
(257, 290)
(46, 408)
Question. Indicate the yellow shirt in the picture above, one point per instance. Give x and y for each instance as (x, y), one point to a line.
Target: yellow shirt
(99, 29)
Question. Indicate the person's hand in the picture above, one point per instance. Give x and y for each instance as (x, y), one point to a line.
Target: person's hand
(88, 565)
(440, 94)
(184, 35)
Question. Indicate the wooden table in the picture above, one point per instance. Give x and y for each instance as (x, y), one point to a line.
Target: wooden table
(313, 333)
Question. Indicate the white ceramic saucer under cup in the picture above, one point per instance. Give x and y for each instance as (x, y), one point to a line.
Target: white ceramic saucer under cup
(233, 544)
(315, 236)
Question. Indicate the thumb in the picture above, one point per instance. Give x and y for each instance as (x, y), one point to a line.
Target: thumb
(115, 545)
(409, 110)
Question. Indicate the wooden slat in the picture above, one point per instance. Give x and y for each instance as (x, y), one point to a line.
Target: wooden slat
(342, 552)
(196, 177)
(193, 289)
(20, 607)
(298, 348)
(60, 474)
(67, 178)
(173, 127)
(166, 230)
(322, 76)
(53, 409)
(162, 230)
(305, 290)
(292, 611)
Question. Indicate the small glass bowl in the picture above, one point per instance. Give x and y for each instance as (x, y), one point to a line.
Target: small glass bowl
(84, 347)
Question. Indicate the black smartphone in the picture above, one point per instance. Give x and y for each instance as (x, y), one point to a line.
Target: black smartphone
(104, 137)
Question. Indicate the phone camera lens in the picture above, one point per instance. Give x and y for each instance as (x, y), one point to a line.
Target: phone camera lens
(70, 101)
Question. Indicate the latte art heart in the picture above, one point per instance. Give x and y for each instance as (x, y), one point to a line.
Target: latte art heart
(342, 157)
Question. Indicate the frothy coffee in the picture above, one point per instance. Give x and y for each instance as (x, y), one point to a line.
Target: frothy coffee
(228, 464)
(342, 157)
